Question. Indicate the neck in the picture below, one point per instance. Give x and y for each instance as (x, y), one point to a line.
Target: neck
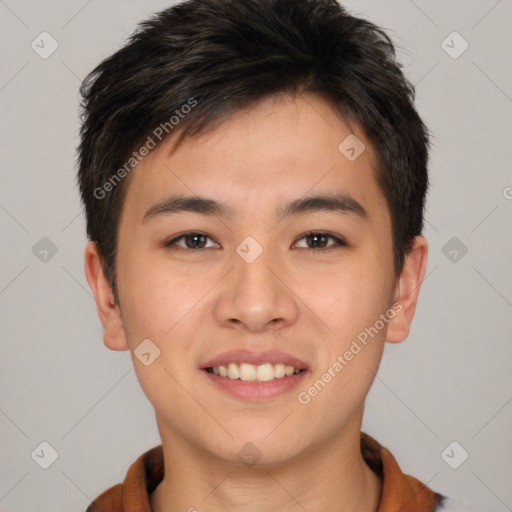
(333, 473)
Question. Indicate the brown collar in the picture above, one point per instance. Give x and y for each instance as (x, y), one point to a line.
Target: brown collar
(400, 492)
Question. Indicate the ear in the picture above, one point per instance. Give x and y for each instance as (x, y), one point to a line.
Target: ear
(108, 312)
(407, 291)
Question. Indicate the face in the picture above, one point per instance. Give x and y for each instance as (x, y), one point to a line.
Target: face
(291, 297)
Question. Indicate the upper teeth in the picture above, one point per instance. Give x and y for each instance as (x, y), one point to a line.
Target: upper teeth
(262, 372)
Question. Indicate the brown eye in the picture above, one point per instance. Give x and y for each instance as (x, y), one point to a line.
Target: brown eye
(191, 240)
(320, 240)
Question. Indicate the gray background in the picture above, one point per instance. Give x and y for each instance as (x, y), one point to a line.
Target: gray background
(450, 381)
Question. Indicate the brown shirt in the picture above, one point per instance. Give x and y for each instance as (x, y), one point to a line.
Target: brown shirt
(400, 492)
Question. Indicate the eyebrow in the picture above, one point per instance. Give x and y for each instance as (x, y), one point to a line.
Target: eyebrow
(336, 203)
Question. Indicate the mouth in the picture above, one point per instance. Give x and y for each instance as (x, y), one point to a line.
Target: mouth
(255, 376)
(254, 373)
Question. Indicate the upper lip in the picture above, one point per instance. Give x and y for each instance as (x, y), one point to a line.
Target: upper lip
(255, 358)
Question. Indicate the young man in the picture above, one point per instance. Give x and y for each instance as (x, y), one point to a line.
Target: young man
(254, 175)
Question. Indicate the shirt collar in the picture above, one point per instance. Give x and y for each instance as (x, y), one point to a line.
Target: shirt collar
(400, 492)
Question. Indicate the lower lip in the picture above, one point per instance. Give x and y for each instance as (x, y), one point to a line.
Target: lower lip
(255, 390)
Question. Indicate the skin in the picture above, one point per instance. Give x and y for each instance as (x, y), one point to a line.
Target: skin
(195, 304)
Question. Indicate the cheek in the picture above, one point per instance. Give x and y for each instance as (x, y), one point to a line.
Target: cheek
(349, 299)
(164, 303)
(156, 297)
(349, 358)
(160, 304)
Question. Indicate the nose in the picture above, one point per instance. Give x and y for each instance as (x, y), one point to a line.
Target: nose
(256, 296)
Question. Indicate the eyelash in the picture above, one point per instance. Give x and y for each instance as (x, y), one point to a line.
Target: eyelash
(340, 242)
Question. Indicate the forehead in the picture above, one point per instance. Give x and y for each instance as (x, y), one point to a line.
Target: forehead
(277, 150)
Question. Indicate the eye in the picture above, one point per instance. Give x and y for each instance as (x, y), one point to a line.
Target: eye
(191, 240)
(318, 241)
(314, 240)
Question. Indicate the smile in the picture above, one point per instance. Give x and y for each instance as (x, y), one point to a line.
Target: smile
(249, 372)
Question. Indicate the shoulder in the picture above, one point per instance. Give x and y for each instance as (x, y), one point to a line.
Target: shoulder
(109, 501)
(133, 494)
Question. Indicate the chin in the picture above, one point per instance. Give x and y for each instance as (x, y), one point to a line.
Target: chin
(259, 450)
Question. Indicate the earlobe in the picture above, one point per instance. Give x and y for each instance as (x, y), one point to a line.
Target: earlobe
(109, 313)
(407, 291)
